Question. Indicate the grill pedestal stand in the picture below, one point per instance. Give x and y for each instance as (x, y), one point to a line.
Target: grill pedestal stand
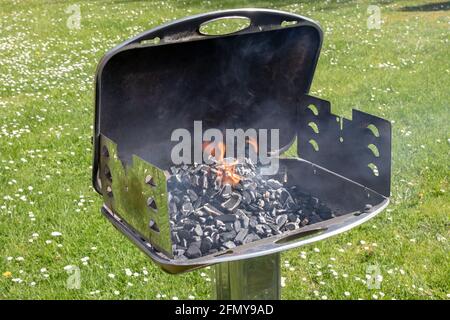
(250, 279)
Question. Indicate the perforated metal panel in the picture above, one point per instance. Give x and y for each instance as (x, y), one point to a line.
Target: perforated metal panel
(358, 149)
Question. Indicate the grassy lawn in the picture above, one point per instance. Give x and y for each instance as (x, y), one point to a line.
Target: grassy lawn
(49, 213)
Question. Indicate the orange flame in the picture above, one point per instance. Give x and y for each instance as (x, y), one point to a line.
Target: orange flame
(253, 143)
(227, 170)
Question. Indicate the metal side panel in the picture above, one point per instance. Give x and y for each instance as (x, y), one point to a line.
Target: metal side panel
(358, 149)
(138, 194)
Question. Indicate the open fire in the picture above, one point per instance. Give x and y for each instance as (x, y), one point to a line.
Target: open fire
(226, 167)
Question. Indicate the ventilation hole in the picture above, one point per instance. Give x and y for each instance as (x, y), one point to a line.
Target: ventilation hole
(153, 41)
(314, 144)
(286, 23)
(153, 226)
(374, 130)
(151, 203)
(150, 181)
(105, 152)
(374, 150)
(108, 175)
(341, 139)
(374, 169)
(314, 109)
(109, 192)
(224, 25)
(314, 126)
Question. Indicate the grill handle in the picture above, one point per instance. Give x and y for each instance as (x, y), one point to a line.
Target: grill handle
(188, 28)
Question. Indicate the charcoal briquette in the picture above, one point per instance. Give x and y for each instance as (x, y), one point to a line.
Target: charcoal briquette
(193, 251)
(229, 245)
(198, 230)
(281, 220)
(206, 244)
(241, 236)
(291, 226)
(227, 236)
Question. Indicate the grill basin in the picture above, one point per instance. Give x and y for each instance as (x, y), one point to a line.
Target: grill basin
(257, 78)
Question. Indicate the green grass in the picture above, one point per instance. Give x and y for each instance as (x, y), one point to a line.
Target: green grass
(400, 72)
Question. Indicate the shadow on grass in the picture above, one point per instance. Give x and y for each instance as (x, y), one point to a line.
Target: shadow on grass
(439, 6)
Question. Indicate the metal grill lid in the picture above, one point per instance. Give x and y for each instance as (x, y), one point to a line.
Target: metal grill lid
(251, 78)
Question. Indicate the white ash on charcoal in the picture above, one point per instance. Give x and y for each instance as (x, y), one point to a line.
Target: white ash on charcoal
(213, 208)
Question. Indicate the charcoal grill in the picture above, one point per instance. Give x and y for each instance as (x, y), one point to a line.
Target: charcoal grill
(258, 77)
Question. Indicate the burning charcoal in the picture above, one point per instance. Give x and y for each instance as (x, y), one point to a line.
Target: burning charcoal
(226, 191)
(229, 245)
(227, 236)
(367, 207)
(192, 195)
(212, 210)
(193, 251)
(241, 235)
(227, 218)
(291, 226)
(281, 220)
(233, 202)
(274, 184)
(198, 230)
(208, 214)
(206, 244)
